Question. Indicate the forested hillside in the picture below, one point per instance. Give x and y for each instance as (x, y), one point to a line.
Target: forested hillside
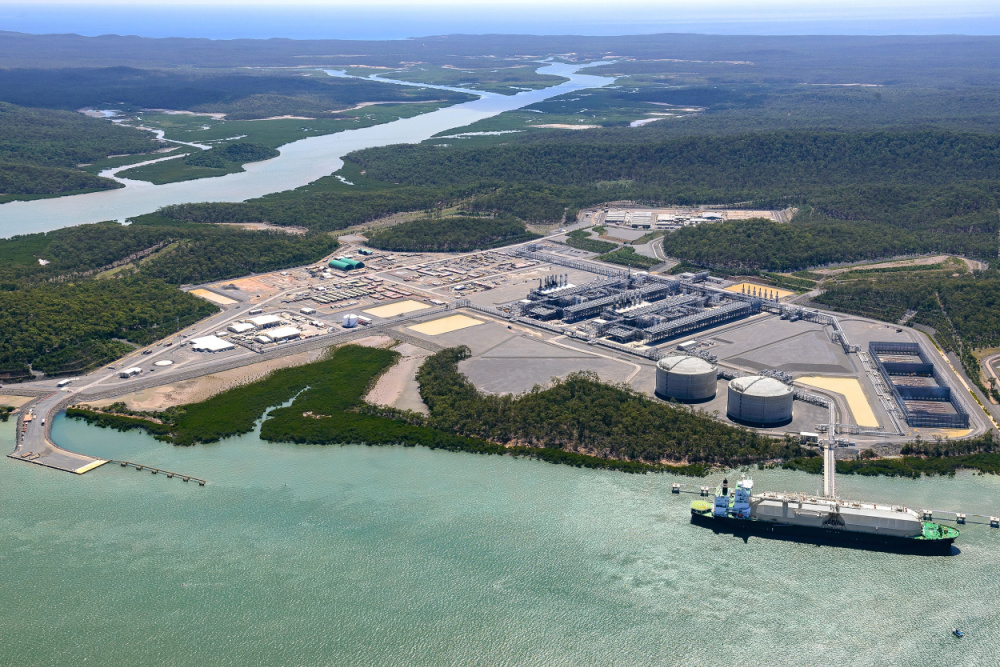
(69, 316)
(581, 414)
(238, 94)
(40, 149)
(453, 234)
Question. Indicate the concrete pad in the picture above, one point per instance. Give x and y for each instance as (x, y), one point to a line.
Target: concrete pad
(522, 347)
(515, 376)
(850, 389)
(398, 308)
(445, 325)
(213, 297)
(89, 466)
(781, 293)
(810, 352)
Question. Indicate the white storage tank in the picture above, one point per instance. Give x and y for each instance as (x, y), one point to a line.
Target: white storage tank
(687, 379)
(350, 321)
(760, 401)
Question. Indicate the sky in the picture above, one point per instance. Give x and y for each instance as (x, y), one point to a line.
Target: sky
(397, 19)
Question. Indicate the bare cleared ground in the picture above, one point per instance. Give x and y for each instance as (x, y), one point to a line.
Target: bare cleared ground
(15, 401)
(265, 226)
(918, 261)
(202, 388)
(398, 388)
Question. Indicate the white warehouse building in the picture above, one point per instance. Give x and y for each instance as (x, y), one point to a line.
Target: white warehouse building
(266, 321)
(210, 344)
(283, 333)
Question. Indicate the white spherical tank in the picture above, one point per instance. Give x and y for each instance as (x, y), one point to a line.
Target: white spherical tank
(350, 321)
(688, 379)
(760, 401)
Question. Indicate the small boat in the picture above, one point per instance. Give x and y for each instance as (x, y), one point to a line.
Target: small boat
(957, 633)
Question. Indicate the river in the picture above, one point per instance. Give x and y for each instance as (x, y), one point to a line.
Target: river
(300, 162)
(304, 555)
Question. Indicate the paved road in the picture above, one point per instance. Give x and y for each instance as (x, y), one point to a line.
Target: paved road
(35, 446)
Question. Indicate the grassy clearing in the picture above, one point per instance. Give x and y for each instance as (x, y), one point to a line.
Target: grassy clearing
(627, 256)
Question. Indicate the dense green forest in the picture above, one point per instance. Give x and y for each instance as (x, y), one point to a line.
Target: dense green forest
(239, 152)
(938, 457)
(451, 234)
(40, 149)
(238, 94)
(73, 326)
(581, 414)
(327, 410)
(69, 316)
(863, 195)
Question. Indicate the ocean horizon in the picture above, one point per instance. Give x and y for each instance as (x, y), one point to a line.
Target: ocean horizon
(311, 22)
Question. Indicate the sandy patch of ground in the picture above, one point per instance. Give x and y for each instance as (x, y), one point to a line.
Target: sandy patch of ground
(398, 308)
(850, 389)
(565, 126)
(398, 387)
(213, 297)
(919, 261)
(283, 118)
(15, 401)
(254, 286)
(202, 388)
(760, 289)
(174, 112)
(445, 325)
(264, 226)
(377, 340)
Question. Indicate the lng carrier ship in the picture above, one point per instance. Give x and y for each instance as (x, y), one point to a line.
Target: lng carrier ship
(826, 519)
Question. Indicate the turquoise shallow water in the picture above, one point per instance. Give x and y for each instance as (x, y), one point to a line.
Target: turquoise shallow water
(297, 555)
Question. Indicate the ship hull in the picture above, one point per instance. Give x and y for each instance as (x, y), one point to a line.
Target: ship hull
(824, 536)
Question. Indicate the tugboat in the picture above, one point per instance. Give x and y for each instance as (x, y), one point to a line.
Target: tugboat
(822, 520)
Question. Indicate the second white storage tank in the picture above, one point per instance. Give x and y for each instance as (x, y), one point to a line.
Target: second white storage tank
(760, 401)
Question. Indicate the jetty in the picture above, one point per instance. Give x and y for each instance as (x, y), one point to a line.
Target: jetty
(156, 471)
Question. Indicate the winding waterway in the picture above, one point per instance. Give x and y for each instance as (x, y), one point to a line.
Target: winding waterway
(300, 555)
(300, 162)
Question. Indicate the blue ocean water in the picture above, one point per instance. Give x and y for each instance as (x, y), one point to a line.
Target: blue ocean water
(382, 22)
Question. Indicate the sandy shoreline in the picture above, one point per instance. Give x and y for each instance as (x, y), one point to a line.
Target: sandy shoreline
(398, 388)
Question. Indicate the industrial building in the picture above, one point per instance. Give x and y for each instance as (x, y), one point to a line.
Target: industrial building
(686, 379)
(638, 308)
(210, 344)
(284, 333)
(760, 401)
(266, 321)
(241, 327)
(346, 264)
(919, 389)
